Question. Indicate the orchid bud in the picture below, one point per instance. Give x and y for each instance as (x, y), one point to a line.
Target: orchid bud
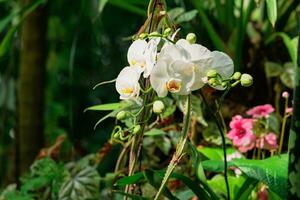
(143, 35)
(167, 32)
(224, 84)
(121, 115)
(237, 75)
(212, 73)
(246, 80)
(212, 81)
(117, 135)
(136, 129)
(158, 107)
(191, 38)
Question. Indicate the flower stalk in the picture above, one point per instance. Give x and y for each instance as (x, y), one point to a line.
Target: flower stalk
(180, 147)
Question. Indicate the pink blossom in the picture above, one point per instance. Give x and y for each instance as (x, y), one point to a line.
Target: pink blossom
(268, 141)
(241, 133)
(260, 111)
(285, 94)
(289, 110)
(246, 143)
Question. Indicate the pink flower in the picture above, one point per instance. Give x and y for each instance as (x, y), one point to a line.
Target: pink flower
(260, 111)
(285, 94)
(289, 110)
(268, 141)
(247, 143)
(241, 133)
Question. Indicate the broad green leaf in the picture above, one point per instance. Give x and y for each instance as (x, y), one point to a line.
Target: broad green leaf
(80, 182)
(105, 107)
(155, 132)
(215, 153)
(186, 17)
(219, 186)
(271, 171)
(273, 69)
(272, 11)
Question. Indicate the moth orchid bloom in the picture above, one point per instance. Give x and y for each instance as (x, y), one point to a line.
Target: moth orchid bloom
(127, 83)
(142, 55)
(179, 68)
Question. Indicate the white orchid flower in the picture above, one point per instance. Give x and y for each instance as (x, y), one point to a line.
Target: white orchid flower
(180, 68)
(127, 83)
(142, 55)
(172, 76)
(223, 64)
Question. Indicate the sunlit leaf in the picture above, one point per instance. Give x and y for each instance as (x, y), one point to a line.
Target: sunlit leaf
(105, 107)
(272, 11)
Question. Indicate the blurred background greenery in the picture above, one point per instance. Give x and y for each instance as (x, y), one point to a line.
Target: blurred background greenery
(84, 42)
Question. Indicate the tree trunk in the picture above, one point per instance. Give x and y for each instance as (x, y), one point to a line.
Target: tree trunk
(294, 139)
(30, 135)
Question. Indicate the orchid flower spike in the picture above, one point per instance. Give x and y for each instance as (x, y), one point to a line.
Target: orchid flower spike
(127, 83)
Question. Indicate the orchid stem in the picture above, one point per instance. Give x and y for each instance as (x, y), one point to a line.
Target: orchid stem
(283, 126)
(180, 147)
(223, 141)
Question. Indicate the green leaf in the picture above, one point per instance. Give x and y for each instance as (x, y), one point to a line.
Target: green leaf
(128, 180)
(129, 7)
(186, 17)
(80, 182)
(287, 77)
(274, 123)
(272, 11)
(291, 44)
(273, 69)
(101, 6)
(271, 171)
(219, 186)
(245, 190)
(155, 132)
(105, 107)
(6, 43)
(175, 12)
(155, 181)
(196, 160)
(215, 153)
(216, 39)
